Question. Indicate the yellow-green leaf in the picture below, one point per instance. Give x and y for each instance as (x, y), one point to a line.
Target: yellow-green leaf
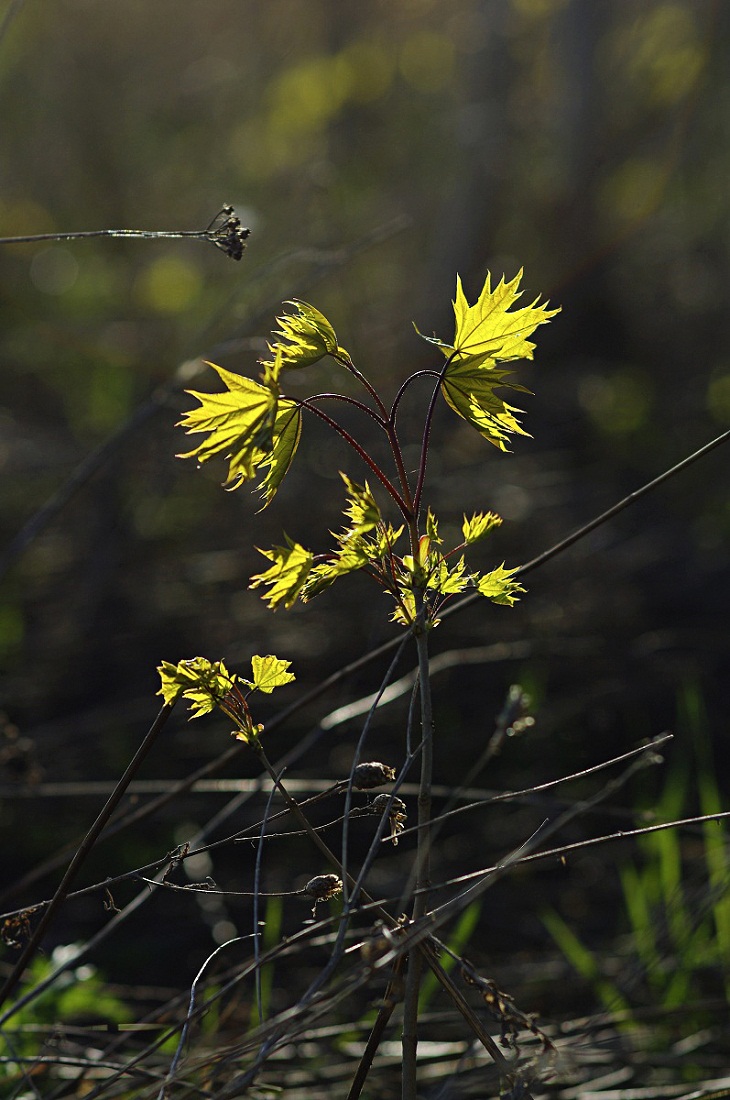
(480, 524)
(202, 682)
(304, 337)
(489, 328)
(366, 539)
(432, 528)
(468, 386)
(286, 436)
(355, 555)
(488, 333)
(405, 611)
(286, 577)
(499, 586)
(361, 509)
(446, 581)
(249, 425)
(239, 424)
(270, 672)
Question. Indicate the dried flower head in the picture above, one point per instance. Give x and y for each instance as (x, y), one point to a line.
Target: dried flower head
(227, 233)
(323, 887)
(372, 774)
(396, 810)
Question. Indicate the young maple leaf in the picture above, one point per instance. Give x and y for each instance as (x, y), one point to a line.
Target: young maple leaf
(292, 565)
(499, 586)
(469, 385)
(304, 337)
(364, 540)
(202, 682)
(489, 328)
(269, 673)
(487, 333)
(480, 524)
(286, 436)
(250, 425)
(361, 508)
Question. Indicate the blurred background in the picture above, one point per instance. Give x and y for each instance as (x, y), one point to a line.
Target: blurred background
(375, 149)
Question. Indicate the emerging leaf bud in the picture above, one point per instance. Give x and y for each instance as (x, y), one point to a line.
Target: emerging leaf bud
(372, 774)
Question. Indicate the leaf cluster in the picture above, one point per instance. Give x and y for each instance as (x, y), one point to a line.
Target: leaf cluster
(251, 424)
(369, 543)
(257, 430)
(206, 685)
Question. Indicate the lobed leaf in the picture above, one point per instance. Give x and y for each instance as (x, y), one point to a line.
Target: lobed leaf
(304, 337)
(239, 424)
(361, 508)
(270, 673)
(499, 586)
(250, 425)
(405, 610)
(366, 540)
(432, 528)
(487, 333)
(468, 387)
(449, 581)
(356, 555)
(480, 524)
(488, 327)
(202, 682)
(286, 436)
(288, 574)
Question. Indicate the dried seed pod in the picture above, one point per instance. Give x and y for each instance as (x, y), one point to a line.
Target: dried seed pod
(372, 774)
(323, 887)
(396, 813)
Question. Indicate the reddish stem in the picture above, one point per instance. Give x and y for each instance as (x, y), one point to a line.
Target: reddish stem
(385, 481)
(427, 435)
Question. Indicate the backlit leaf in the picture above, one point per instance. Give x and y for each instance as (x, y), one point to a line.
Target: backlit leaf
(250, 425)
(270, 672)
(487, 333)
(361, 508)
(287, 433)
(285, 578)
(432, 528)
(488, 328)
(499, 586)
(304, 337)
(348, 559)
(468, 386)
(356, 546)
(480, 524)
(449, 581)
(405, 611)
(202, 682)
(239, 424)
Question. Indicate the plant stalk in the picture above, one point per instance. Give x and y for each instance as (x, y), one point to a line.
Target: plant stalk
(423, 859)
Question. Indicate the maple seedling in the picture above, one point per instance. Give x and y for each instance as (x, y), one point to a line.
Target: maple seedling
(256, 428)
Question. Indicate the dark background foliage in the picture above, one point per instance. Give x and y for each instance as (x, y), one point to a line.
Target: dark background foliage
(374, 149)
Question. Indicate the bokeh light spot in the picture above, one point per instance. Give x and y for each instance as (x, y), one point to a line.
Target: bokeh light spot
(718, 399)
(169, 285)
(54, 270)
(427, 61)
(618, 404)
